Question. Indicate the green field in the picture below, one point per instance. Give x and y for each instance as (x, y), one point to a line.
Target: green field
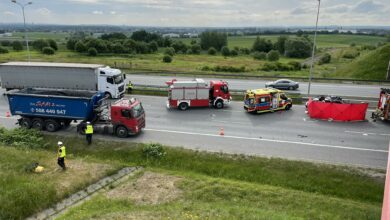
(203, 185)
(323, 41)
(336, 45)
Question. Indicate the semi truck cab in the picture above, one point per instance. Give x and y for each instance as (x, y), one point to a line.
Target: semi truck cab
(112, 82)
(219, 90)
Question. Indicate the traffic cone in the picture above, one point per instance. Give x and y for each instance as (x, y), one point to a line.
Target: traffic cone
(221, 132)
(7, 114)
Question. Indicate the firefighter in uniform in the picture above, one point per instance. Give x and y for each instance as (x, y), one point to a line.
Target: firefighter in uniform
(61, 154)
(89, 132)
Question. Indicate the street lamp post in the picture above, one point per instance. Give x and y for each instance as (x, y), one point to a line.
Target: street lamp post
(313, 52)
(24, 22)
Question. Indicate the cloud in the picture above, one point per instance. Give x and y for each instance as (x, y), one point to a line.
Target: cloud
(342, 8)
(113, 12)
(368, 6)
(97, 12)
(43, 11)
(9, 13)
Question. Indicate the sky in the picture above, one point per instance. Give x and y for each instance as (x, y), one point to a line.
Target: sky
(200, 13)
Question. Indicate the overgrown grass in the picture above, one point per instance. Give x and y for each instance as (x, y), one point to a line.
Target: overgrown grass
(215, 198)
(23, 193)
(336, 181)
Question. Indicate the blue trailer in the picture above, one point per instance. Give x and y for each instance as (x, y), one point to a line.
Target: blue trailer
(51, 109)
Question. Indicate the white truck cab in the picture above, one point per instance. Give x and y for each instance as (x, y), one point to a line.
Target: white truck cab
(111, 81)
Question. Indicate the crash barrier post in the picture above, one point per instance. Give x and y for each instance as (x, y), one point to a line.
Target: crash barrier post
(386, 196)
(337, 111)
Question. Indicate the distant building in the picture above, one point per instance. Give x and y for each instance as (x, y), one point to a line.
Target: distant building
(190, 35)
(6, 35)
(171, 35)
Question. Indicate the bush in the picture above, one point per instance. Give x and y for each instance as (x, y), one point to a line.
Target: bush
(231, 69)
(277, 66)
(368, 47)
(48, 51)
(19, 137)
(153, 46)
(92, 52)
(212, 51)
(70, 44)
(169, 51)
(295, 65)
(80, 47)
(351, 54)
(40, 44)
(167, 59)
(325, 59)
(233, 52)
(179, 46)
(195, 49)
(245, 50)
(52, 44)
(225, 51)
(273, 55)
(298, 47)
(214, 39)
(262, 45)
(5, 43)
(17, 45)
(153, 151)
(3, 50)
(259, 55)
(353, 44)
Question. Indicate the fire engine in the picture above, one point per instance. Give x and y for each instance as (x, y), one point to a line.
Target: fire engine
(266, 100)
(197, 93)
(383, 109)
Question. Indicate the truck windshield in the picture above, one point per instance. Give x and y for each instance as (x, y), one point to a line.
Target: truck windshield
(118, 79)
(137, 110)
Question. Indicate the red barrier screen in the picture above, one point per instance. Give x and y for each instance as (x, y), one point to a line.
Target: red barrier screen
(336, 111)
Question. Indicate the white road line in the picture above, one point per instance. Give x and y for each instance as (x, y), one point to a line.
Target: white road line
(12, 117)
(268, 140)
(365, 133)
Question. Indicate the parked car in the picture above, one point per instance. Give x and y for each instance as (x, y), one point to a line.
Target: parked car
(283, 84)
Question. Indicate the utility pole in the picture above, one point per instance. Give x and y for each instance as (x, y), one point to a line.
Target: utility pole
(313, 52)
(24, 23)
(388, 72)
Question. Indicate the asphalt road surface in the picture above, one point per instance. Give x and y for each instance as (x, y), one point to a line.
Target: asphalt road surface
(243, 84)
(286, 134)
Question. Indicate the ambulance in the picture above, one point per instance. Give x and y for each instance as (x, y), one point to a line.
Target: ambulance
(266, 100)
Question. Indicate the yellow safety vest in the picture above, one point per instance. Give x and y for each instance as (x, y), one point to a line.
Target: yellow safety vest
(89, 129)
(62, 153)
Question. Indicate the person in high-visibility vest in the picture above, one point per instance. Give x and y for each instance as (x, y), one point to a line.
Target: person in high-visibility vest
(129, 87)
(61, 154)
(89, 132)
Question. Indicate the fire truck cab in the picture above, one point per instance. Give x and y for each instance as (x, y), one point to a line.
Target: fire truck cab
(197, 93)
(383, 109)
(266, 100)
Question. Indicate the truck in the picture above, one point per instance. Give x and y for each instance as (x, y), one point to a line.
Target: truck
(266, 100)
(383, 108)
(52, 110)
(72, 76)
(197, 93)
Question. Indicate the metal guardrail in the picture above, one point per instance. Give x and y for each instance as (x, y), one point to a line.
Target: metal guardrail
(243, 75)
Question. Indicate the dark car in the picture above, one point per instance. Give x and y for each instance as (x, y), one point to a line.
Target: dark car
(283, 84)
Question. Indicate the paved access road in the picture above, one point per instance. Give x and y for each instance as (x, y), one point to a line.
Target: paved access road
(243, 84)
(287, 134)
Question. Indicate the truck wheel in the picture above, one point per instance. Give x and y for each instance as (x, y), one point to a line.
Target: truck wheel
(107, 95)
(219, 104)
(288, 107)
(51, 125)
(37, 123)
(183, 106)
(25, 123)
(121, 132)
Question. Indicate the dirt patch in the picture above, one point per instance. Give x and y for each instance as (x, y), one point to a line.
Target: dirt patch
(150, 188)
(78, 172)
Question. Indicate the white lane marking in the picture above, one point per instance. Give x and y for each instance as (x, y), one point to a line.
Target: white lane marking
(268, 140)
(365, 133)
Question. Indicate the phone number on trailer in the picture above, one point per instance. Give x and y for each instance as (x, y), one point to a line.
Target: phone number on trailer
(49, 111)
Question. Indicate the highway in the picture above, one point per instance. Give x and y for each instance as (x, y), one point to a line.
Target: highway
(286, 134)
(244, 84)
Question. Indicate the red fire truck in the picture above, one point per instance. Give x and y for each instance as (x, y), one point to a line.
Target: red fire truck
(383, 110)
(196, 93)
